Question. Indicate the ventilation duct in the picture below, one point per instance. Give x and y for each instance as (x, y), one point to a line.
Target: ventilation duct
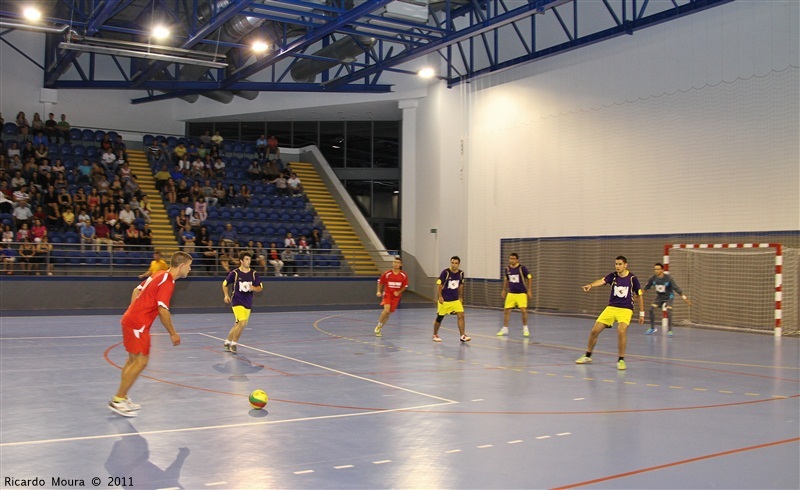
(345, 50)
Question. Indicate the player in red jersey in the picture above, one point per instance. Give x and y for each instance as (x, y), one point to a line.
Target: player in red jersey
(395, 282)
(149, 300)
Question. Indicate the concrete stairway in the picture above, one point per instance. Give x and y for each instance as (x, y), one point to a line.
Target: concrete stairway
(335, 222)
(163, 237)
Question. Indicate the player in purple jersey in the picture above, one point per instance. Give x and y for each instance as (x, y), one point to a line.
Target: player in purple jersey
(450, 293)
(517, 289)
(245, 282)
(624, 286)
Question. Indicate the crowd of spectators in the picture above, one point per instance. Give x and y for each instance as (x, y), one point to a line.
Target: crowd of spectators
(96, 201)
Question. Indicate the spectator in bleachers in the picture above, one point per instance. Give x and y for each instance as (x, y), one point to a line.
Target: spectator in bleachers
(42, 257)
(132, 238)
(28, 151)
(206, 138)
(219, 194)
(51, 128)
(274, 259)
(8, 234)
(80, 198)
(254, 171)
(273, 152)
(67, 218)
(287, 256)
(214, 152)
(315, 240)
(63, 129)
(192, 153)
(26, 252)
(201, 209)
(170, 191)
(39, 213)
(120, 149)
(13, 150)
(102, 233)
(117, 236)
(281, 185)
(127, 216)
(98, 173)
(36, 123)
(289, 241)
(84, 218)
(87, 235)
(229, 239)
(109, 161)
(38, 230)
(23, 126)
(40, 142)
(85, 172)
(202, 151)
(260, 256)
(22, 214)
(181, 220)
(18, 181)
(219, 169)
(198, 169)
(60, 182)
(58, 167)
(144, 206)
(182, 194)
(208, 194)
(271, 171)
(217, 139)
(187, 237)
(53, 220)
(302, 245)
(195, 191)
(93, 199)
(231, 196)
(295, 186)
(9, 259)
(23, 232)
(106, 143)
(245, 196)
(146, 236)
(102, 184)
(208, 167)
(162, 177)
(179, 153)
(261, 147)
(209, 254)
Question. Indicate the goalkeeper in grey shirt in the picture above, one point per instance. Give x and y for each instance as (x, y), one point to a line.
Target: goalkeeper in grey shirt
(665, 287)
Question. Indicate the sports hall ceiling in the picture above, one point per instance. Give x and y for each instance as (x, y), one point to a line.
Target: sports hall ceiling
(311, 45)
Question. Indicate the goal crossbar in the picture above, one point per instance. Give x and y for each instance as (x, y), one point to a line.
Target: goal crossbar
(776, 247)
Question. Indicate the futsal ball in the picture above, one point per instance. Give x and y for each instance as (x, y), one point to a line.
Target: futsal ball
(258, 399)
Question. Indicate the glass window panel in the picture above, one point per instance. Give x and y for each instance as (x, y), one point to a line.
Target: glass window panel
(386, 144)
(252, 130)
(332, 142)
(304, 133)
(361, 192)
(359, 144)
(386, 199)
(197, 129)
(228, 130)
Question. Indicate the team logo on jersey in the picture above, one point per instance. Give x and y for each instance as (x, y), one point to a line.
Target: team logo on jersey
(661, 288)
(621, 291)
(245, 286)
(138, 332)
(513, 278)
(453, 284)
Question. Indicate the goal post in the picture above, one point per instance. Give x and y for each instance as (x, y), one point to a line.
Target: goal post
(734, 285)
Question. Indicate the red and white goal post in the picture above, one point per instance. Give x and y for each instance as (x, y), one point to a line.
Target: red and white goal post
(730, 282)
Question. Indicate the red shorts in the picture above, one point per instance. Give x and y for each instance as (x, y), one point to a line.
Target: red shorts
(136, 340)
(391, 300)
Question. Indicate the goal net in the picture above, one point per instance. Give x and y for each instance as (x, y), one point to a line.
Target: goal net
(737, 285)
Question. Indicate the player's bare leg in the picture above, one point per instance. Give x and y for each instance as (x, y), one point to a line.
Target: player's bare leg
(622, 338)
(236, 331)
(506, 317)
(594, 334)
(130, 372)
(385, 314)
(461, 323)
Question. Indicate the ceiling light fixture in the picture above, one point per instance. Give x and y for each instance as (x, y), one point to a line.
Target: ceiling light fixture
(32, 14)
(260, 46)
(160, 32)
(426, 73)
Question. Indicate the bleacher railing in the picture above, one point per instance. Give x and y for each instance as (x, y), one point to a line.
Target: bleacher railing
(115, 260)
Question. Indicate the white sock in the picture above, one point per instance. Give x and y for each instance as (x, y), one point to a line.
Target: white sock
(227, 342)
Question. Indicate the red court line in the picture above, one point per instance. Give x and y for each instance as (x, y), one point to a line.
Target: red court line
(676, 463)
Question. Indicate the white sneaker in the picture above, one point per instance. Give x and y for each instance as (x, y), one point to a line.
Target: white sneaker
(121, 408)
(526, 332)
(503, 331)
(132, 405)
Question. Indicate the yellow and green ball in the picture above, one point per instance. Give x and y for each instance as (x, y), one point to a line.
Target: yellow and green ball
(258, 399)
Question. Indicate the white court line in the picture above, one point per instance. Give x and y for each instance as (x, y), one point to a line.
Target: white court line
(319, 366)
(214, 427)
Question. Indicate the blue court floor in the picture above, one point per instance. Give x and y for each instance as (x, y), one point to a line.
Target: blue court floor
(705, 409)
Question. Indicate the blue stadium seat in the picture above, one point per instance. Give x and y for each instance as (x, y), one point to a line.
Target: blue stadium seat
(79, 151)
(10, 129)
(99, 135)
(148, 139)
(91, 152)
(75, 134)
(87, 135)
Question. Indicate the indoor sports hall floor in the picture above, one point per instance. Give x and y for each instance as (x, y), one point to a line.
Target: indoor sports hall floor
(705, 409)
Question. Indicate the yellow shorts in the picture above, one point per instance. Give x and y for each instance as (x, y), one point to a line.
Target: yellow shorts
(614, 314)
(516, 300)
(449, 307)
(241, 313)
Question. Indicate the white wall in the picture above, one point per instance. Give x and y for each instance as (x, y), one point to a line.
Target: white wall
(691, 126)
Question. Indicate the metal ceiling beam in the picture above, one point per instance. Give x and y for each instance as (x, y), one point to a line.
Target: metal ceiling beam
(304, 41)
(216, 22)
(95, 23)
(532, 8)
